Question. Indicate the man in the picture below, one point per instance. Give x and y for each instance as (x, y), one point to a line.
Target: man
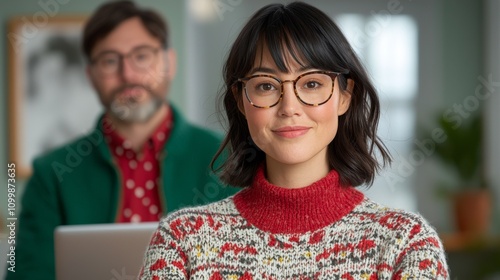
(142, 161)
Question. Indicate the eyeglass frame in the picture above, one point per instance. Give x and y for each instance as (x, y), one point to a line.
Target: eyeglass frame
(93, 61)
(329, 73)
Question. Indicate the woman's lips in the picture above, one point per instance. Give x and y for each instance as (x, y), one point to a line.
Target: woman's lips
(291, 131)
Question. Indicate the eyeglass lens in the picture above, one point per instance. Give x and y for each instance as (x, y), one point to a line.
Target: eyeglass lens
(141, 58)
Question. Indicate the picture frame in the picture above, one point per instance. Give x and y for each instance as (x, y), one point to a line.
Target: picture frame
(50, 99)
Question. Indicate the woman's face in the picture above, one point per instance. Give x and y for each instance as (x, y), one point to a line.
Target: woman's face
(291, 133)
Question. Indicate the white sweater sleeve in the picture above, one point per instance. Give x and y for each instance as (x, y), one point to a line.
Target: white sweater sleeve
(164, 258)
(422, 257)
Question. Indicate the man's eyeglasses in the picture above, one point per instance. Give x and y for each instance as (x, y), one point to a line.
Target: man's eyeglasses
(109, 62)
(312, 88)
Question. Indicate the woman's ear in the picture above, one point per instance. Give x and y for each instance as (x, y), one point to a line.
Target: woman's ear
(237, 97)
(345, 97)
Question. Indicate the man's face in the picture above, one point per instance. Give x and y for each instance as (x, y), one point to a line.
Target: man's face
(131, 72)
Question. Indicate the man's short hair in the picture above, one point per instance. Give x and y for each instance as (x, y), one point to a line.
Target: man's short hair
(108, 16)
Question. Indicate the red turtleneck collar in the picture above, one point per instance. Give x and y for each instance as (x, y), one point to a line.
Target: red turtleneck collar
(281, 210)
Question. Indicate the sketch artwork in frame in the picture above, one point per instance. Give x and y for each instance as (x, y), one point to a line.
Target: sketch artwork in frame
(51, 101)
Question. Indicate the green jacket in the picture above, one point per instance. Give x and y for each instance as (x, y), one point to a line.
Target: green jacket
(80, 184)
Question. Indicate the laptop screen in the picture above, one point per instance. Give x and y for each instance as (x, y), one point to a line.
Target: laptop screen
(101, 251)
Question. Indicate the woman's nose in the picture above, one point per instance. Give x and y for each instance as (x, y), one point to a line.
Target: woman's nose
(290, 104)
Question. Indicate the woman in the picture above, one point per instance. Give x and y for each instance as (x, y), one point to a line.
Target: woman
(302, 119)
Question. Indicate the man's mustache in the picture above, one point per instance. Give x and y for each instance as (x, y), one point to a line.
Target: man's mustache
(116, 93)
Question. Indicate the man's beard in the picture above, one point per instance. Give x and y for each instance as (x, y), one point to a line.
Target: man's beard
(131, 110)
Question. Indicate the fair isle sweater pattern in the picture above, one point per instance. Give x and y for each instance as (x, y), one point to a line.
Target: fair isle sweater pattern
(245, 237)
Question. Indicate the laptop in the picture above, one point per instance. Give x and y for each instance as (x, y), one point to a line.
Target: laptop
(101, 251)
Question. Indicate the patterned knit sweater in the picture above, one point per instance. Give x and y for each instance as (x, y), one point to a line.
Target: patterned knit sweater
(322, 231)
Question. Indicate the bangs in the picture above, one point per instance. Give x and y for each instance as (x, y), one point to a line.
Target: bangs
(281, 50)
(287, 35)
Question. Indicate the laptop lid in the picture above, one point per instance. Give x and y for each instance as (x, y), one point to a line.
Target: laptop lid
(101, 251)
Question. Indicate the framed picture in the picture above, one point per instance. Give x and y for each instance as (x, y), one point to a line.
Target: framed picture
(50, 98)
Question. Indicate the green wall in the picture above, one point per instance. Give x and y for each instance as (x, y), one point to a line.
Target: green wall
(173, 10)
(463, 48)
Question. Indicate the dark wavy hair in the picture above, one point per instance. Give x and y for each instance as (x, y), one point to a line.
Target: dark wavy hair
(311, 38)
(111, 14)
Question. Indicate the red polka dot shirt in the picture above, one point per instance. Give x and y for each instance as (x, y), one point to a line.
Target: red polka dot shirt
(140, 174)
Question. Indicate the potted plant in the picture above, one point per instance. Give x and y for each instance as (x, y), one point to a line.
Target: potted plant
(462, 153)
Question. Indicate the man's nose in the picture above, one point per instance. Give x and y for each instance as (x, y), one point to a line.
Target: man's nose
(127, 70)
